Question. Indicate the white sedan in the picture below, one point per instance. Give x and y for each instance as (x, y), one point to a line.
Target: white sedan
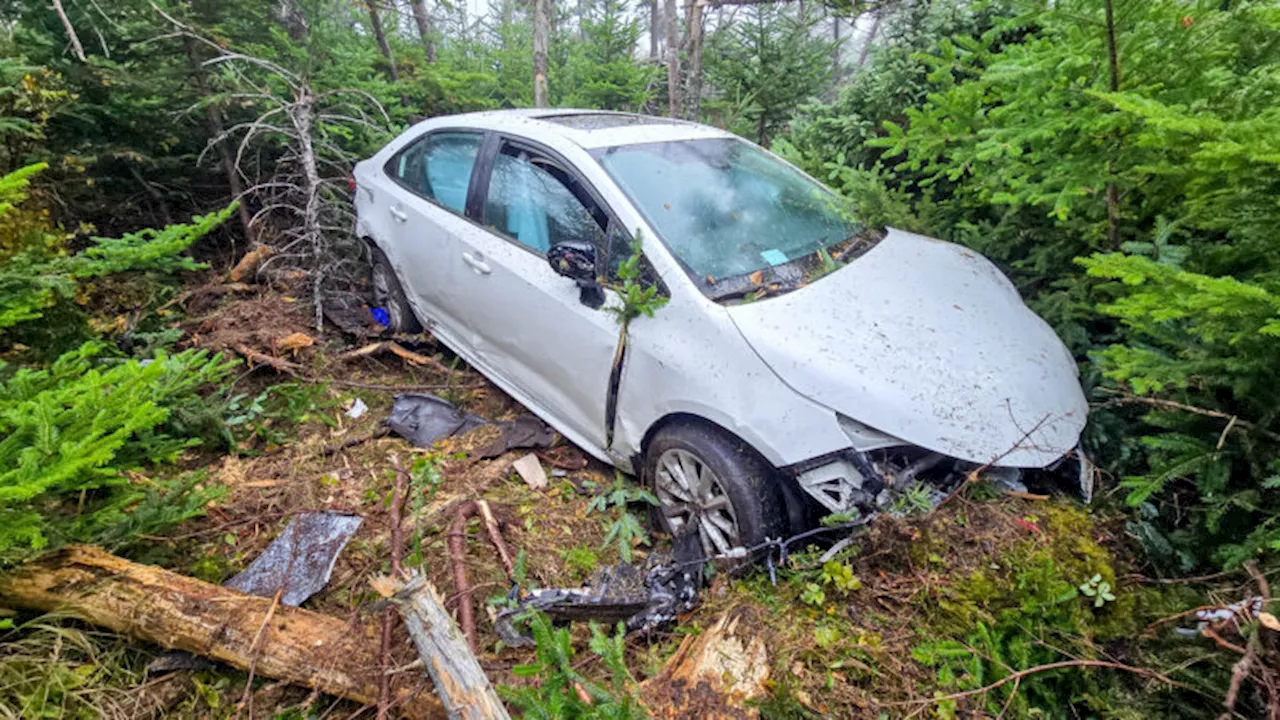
(801, 363)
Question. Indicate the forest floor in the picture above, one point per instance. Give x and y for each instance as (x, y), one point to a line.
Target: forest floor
(843, 638)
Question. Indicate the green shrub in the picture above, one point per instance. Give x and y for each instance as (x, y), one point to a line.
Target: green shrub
(76, 434)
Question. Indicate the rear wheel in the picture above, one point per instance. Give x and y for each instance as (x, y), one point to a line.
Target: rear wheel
(708, 481)
(388, 295)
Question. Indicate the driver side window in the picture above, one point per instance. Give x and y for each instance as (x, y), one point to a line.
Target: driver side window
(538, 203)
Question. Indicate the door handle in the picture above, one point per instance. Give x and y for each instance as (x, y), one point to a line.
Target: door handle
(477, 263)
(398, 214)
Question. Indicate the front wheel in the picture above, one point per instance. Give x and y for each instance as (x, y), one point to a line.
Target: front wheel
(707, 480)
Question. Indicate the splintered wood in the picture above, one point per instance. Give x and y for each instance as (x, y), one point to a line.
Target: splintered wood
(711, 676)
(178, 612)
(461, 683)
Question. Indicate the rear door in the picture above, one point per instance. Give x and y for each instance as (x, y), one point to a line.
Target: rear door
(427, 208)
(529, 323)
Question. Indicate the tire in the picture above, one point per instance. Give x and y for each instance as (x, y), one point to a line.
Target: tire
(388, 295)
(738, 504)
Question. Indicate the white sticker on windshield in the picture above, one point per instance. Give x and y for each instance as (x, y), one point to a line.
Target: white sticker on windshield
(774, 257)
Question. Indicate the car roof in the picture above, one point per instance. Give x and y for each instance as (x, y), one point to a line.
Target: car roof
(589, 129)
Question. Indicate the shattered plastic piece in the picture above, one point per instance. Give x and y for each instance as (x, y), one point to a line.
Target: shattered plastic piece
(1246, 610)
(530, 470)
(357, 409)
(645, 597)
(299, 562)
(422, 419)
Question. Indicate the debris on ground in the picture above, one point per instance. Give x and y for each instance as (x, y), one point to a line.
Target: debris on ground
(297, 564)
(529, 468)
(644, 598)
(457, 551)
(422, 419)
(396, 349)
(357, 410)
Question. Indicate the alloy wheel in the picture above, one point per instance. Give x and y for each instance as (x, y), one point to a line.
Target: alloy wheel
(692, 494)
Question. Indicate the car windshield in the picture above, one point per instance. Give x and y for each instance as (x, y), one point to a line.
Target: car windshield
(726, 208)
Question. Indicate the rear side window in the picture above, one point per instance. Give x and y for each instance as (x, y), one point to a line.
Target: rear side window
(538, 203)
(438, 167)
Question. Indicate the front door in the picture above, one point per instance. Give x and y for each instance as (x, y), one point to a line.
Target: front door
(529, 325)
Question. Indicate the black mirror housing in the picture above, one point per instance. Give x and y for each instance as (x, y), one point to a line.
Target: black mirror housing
(577, 261)
(574, 260)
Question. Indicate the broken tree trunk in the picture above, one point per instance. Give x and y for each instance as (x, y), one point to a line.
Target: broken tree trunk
(461, 683)
(713, 675)
(178, 612)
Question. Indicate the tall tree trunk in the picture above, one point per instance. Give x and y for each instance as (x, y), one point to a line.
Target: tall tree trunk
(376, 23)
(423, 21)
(693, 103)
(653, 29)
(1113, 193)
(541, 33)
(835, 48)
(871, 39)
(671, 19)
(76, 47)
(215, 127)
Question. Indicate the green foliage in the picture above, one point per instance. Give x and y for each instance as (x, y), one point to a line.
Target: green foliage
(765, 65)
(31, 280)
(1002, 126)
(557, 692)
(77, 434)
(272, 414)
(600, 70)
(1098, 589)
(639, 295)
(626, 531)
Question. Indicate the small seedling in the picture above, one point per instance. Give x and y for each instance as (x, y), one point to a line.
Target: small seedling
(813, 595)
(1098, 589)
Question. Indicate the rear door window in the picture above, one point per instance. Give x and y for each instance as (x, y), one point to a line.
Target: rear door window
(438, 167)
(538, 203)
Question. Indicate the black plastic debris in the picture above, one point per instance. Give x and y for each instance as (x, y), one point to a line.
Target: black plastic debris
(423, 418)
(299, 563)
(644, 597)
(525, 431)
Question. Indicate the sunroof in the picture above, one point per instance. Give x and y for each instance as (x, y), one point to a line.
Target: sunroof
(604, 121)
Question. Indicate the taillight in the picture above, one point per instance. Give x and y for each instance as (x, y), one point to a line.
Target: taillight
(351, 184)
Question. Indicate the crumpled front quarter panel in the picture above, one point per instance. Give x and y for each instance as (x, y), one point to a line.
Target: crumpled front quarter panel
(689, 358)
(927, 341)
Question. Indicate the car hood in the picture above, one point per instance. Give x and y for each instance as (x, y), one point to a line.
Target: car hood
(929, 342)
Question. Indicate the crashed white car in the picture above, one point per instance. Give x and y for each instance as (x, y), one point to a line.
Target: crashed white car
(801, 364)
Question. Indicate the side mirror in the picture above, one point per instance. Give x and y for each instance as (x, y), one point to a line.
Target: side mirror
(577, 261)
(574, 260)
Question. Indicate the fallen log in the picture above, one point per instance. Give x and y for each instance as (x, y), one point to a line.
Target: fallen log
(461, 683)
(178, 612)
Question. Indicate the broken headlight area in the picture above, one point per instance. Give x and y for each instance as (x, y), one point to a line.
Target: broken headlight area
(905, 479)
